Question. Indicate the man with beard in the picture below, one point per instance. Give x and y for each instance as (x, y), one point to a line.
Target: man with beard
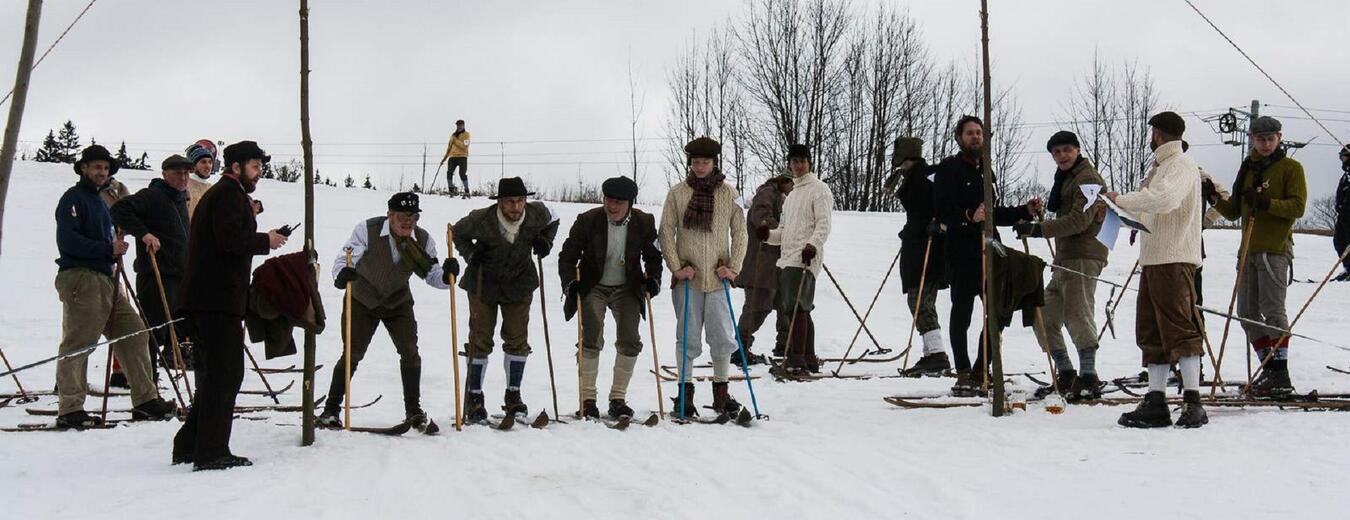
(92, 300)
(500, 242)
(759, 273)
(1168, 329)
(703, 236)
(1070, 298)
(223, 238)
(1270, 196)
(959, 196)
(921, 242)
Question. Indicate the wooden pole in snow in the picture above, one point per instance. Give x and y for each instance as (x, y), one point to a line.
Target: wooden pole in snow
(11, 142)
(992, 333)
(307, 145)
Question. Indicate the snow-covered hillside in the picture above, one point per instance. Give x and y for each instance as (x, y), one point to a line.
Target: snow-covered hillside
(831, 448)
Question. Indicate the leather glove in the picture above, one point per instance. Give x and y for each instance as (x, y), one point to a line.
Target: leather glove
(347, 274)
(1257, 200)
(652, 286)
(449, 268)
(1027, 229)
(572, 289)
(1209, 192)
(808, 254)
(541, 247)
(934, 228)
(762, 233)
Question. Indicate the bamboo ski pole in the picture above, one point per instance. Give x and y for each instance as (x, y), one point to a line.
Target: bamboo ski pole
(548, 342)
(1042, 336)
(918, 303)
(454, 330)
(858, 331)
(656, 363)
(25, 398)
(862, 322)
(347, 351)
(254, 361)
(154, 344)
(1232, 302)
(1116, 303)
(1285, 336)
(173, 331)
(581, 399)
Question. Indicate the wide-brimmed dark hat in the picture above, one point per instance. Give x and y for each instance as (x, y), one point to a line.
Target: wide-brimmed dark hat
(621, 188)
(511, 187)
(96, 153)
(906, 148)
(406, 202)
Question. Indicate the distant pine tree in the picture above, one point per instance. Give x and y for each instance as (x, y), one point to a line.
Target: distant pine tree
(367, 184)
(349, 181)
(123, 161)
(51, 151)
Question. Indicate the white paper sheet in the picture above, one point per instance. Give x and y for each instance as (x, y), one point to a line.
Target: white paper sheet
(1110, 229)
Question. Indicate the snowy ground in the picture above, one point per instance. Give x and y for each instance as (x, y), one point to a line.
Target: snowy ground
(832, 448)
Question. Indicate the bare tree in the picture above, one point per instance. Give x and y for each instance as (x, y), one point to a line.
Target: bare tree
(707, 101)
(636, 101)
(1321, 214)
(1109, 110)
(1138, 100)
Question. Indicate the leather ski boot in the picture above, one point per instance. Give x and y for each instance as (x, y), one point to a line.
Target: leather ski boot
(1192, 412)
(690, 409)
(619, 408)
(1273, 383)
(474, 410)
(1152, 412)
(1086, 387)
(420, 422)
(514, 405)
(723, 403)
(930, 365)
(589, 410)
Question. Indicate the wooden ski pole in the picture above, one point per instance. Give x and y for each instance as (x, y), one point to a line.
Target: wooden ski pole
(454, 330)
(261, 375)
(173, 331)
(1042, 337)
(656, 363)
(1285, 336)
(154, 345)
(548, 342)
(792, 322)
(347, 351)
(25, 398)
(914, 316)
(1116, 303)
(107, 380)
(862, 322)
(581, 402)
(1232, 302)
(868, 314)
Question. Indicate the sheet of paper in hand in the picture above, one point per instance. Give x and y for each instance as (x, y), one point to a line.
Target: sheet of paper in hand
(1125, 217)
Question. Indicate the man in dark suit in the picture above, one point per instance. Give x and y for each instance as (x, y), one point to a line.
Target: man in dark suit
(611, 246)
(222, 241)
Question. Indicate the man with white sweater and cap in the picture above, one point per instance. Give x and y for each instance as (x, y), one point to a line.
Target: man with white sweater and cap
(802, 231)
(1168, 328)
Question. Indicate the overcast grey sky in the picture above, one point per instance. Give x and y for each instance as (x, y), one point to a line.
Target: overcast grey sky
(161, 74)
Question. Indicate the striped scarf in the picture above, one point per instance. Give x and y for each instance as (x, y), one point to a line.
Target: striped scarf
(699, 214)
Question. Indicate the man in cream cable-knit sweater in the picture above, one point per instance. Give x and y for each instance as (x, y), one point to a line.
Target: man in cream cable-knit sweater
(1167, 327)
(802, 231)
(703, 238)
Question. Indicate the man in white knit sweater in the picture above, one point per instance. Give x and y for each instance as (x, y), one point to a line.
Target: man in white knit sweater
(1168, 328)
(703, 237)
(802, 231)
